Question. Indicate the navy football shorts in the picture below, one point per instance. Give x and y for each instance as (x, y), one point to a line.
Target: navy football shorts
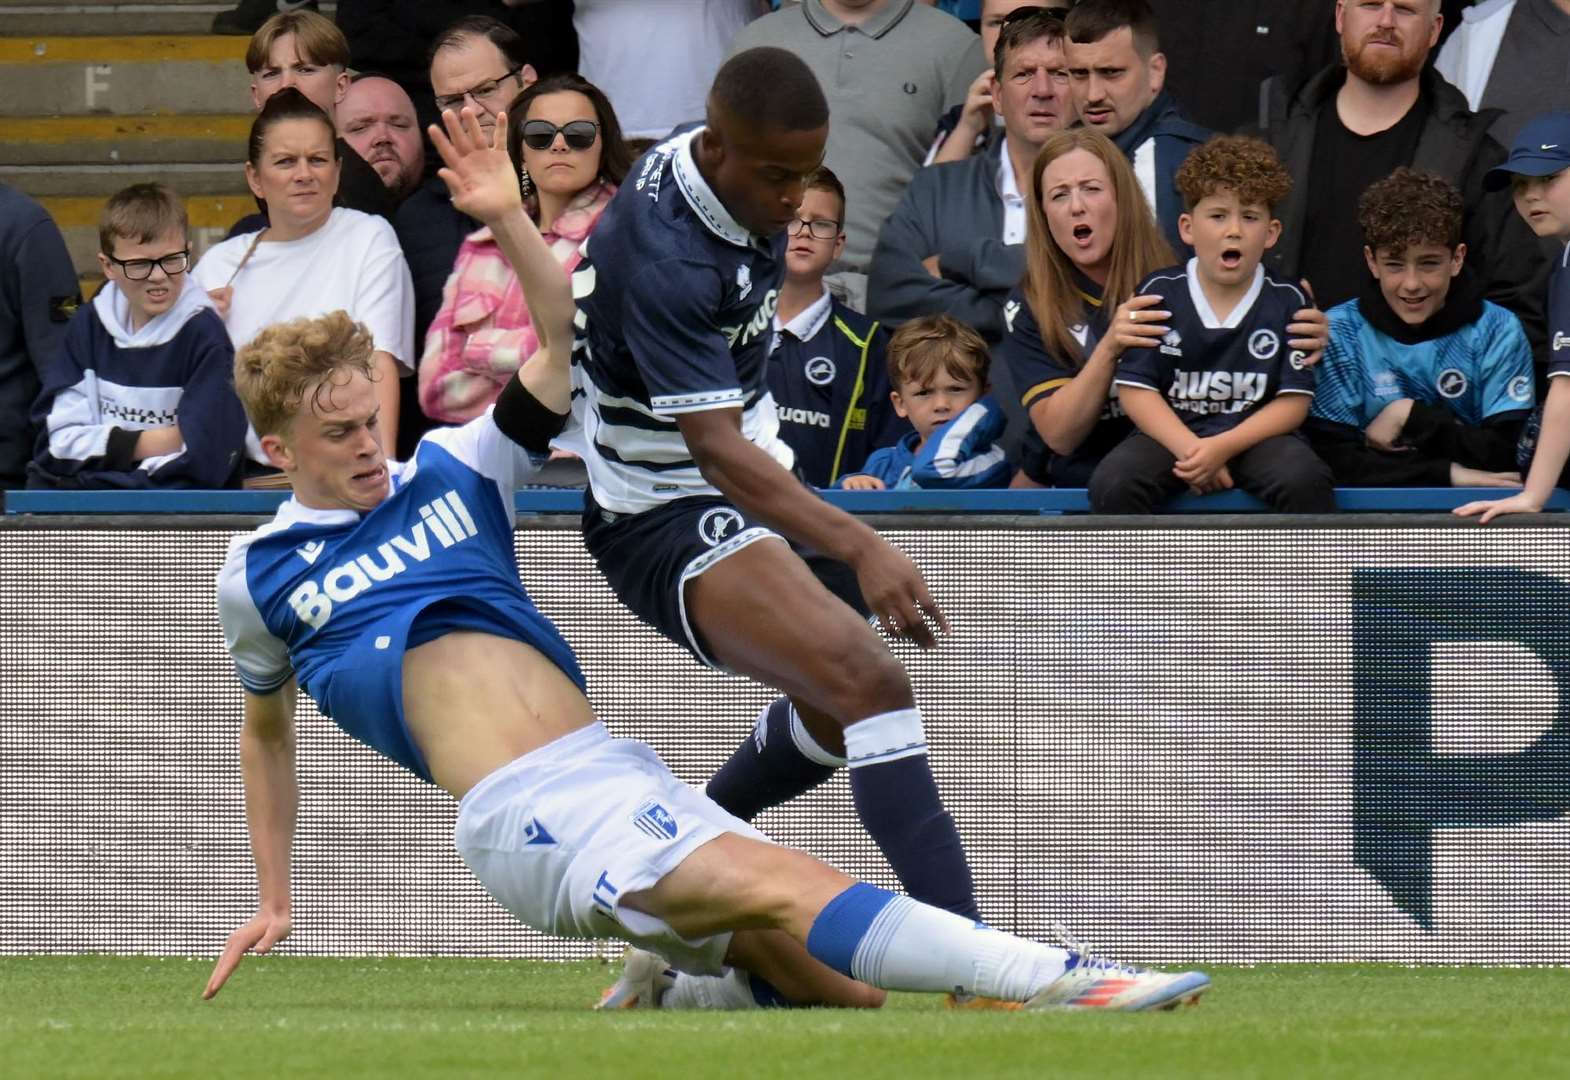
(648, 559)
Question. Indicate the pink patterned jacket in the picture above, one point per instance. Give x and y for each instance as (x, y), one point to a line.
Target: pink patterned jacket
(483, 333)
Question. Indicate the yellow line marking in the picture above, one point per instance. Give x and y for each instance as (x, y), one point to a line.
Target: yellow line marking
(205, 211)
(63, 129)
(123, 50)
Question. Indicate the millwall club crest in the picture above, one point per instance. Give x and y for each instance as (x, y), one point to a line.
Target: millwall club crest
(743, 281)
(656, 821)
(1264, 344)
(1452, 383)
(820, 371)
(719, 525)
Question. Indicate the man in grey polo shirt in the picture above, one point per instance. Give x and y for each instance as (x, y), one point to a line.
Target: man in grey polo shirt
(890, 68)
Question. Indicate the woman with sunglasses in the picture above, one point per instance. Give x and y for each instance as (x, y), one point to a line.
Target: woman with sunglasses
(568, 151)
(313, 257)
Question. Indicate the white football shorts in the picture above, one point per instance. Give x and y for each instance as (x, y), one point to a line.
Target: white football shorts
(562, 834)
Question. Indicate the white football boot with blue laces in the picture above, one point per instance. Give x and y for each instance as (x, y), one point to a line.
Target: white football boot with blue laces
(1094, 982)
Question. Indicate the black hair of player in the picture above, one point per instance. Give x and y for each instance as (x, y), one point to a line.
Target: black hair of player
(1092, 20)
(769, 90)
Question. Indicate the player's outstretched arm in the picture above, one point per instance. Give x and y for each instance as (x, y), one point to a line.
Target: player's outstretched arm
(480, 176)
(754, 481)
(271, 800)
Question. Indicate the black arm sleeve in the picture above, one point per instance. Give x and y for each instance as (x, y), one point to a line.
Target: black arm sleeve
(526, 420)
(1435, 432)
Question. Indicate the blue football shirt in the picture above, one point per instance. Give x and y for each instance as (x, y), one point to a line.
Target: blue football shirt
(336, 597)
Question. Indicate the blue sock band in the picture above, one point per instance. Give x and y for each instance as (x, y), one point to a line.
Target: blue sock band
(843, 922)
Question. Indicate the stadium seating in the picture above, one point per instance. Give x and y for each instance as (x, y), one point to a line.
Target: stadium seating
(94, 97)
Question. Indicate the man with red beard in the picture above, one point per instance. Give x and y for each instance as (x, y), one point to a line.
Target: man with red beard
(1351, 126)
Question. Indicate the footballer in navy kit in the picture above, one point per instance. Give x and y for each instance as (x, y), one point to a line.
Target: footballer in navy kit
(692, 512)
(391, 592)
(1219, 400)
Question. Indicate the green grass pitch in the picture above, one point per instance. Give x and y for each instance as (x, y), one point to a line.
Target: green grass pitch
(292, 1017)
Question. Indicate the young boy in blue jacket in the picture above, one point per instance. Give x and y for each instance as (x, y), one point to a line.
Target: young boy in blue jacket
(939, 367)
(141, 395)
(1424, 382)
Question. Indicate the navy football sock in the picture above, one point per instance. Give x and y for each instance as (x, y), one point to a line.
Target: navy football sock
(899, 804)
(774, 764)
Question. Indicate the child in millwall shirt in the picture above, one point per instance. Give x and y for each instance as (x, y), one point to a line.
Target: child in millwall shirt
(939, 368)
(1218, 403)
(1538, 171)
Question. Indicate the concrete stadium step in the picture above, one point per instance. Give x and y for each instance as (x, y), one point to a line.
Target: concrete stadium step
(112, 140)
(104, 17)
(77, 217)
(188, 178)
(126, 76)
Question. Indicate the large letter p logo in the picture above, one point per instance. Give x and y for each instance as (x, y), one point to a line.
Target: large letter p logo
(1403, 791)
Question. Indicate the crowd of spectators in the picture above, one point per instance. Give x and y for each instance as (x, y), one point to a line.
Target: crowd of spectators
(1025, 246)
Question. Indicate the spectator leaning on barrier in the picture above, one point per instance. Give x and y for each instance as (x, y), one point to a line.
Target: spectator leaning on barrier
(1352, 125)
(567, 149)
(976, 119)
(1117, 76)
(1538, 175)
(939, 368)
(889, 69)
(827, 368)
(304, 50)
(955, 243)
(1424, 382)
(1512, 56)
(1218, 402)
(141, 395)
(38, 296)
(377, 120)
(479, 62)
(313, 257)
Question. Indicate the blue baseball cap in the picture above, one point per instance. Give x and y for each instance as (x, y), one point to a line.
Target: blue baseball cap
(1541, 149)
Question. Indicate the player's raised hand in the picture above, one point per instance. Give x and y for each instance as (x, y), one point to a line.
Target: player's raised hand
(1519, 503)
(259, 934)
(1138, 323)
(477, 171)
(1309, 330)
(897, 595)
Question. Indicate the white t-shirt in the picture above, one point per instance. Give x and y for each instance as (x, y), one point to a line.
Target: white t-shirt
(352, 263)
(656, 59)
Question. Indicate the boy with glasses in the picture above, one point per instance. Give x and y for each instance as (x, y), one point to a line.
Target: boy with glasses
(826, 372)
(141, 394)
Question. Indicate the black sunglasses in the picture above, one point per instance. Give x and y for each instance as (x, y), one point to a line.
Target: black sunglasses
(539, 134)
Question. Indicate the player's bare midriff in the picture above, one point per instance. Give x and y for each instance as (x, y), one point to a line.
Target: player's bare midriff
(474, 702)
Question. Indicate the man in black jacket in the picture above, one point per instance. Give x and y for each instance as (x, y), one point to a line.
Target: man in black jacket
(1353, 125)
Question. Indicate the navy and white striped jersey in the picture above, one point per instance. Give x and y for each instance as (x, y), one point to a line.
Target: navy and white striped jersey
(336, 596)
(676, 303)
(1214, 372)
